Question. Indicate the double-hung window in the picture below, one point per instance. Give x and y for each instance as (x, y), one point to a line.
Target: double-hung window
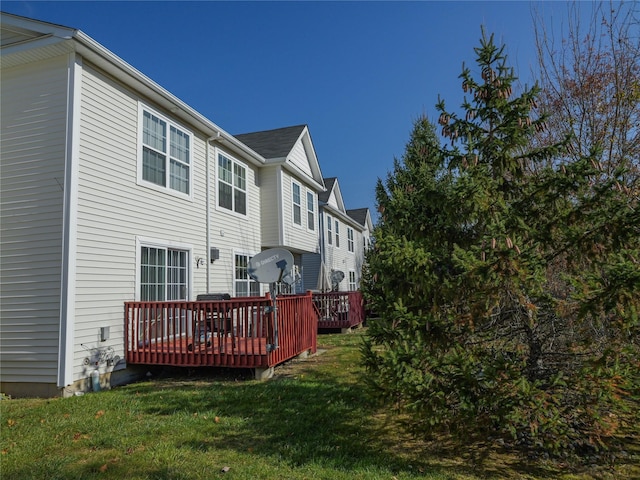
(350, 246)
(337, 234)
(297, 203)
(232, 185)
(311, 215)
(163, 274)
(329, 229)
(352, 280)
(165, 154)
(244, 285)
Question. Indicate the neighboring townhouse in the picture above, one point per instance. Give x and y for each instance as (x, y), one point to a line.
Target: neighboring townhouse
(290, 182)
(363, 217)
(343, 241)
(112, 190)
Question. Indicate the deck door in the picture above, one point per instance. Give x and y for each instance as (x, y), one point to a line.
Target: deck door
(164, 277)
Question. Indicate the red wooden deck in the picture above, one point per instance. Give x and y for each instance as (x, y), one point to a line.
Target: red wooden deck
(240, 332)
(339, 309)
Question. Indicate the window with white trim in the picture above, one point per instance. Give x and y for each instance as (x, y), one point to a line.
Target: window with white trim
(329, 235)
(163, 274)
(232, 185)
(350, 245)
(297, 203)
(311, 211)
(165, 155)
(337, 234)
(244, 285)
(352, 280)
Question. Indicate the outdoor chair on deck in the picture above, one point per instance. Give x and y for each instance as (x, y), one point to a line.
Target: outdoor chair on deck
(213, 320)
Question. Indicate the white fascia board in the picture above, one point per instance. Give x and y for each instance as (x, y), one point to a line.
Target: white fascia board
(338, 194)
(369, 221)
(305, 138)
(26, 25)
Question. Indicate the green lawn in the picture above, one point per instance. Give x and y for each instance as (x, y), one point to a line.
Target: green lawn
(311, 421)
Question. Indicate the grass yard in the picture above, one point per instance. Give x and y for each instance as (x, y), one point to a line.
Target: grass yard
(311, 421)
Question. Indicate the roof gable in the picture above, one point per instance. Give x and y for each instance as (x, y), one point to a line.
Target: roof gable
(332, 197)
(290, 146)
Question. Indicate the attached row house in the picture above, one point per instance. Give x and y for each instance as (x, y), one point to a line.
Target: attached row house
(113, 189)
(344, 238)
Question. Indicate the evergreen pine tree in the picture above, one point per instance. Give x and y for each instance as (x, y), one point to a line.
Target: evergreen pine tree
(507, 282)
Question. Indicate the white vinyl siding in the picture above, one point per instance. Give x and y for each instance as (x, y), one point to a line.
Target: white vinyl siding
(33, 108)
(270, 218)
(300, 159)
(114, 213)
(301, 239)
(230, 231)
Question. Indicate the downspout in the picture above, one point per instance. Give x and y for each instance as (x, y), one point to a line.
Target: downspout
(322, 245)
(66, 339)
(321, 233)
(208, 209)
(280, 191)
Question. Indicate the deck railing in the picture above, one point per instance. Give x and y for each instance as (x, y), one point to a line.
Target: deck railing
(232, 333)
(339, 309)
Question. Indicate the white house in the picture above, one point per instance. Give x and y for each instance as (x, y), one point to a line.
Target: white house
(112, 190)
(344, 237)
(290, 183)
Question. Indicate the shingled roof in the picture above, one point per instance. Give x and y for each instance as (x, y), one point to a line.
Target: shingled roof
(328, 183)
(276, 143)
(359, 215)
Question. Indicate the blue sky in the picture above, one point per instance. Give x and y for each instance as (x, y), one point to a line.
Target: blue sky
(358, 73)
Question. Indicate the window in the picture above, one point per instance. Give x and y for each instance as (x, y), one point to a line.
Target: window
(329, 237)
(350, 246)
(337, 234)
(166, 154)
(297, 207)
(352, 281)
(243, 284)
(163, 274)
(232, 185)
(311, 216)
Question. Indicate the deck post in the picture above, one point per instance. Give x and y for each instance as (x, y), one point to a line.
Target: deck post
(263, 373)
